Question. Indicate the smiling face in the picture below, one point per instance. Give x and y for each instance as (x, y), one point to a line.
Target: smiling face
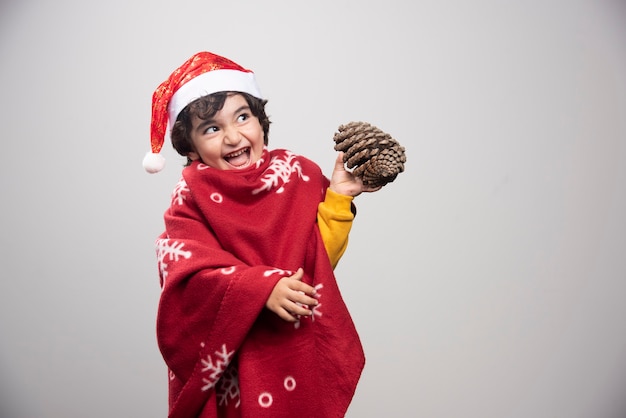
(230, 140)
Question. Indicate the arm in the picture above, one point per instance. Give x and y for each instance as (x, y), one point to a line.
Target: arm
(334, 218)
(336, 213)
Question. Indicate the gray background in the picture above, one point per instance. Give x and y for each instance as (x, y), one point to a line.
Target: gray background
(487, 281)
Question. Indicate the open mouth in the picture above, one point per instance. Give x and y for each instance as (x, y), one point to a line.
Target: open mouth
(239, 158)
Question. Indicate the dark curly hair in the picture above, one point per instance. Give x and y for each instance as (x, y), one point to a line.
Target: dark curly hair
(206, 107)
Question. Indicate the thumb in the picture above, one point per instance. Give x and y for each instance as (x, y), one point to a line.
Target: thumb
(298, 275)
(339, 161)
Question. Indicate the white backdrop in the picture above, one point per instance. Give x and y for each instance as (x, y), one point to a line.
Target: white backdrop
(487, 281)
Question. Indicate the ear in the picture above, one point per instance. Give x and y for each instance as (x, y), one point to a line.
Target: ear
(193, 156)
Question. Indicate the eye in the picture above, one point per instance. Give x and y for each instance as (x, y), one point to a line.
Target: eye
(243, 117)
(210, 130)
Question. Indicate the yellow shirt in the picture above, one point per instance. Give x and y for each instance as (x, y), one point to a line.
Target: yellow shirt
(334, 218)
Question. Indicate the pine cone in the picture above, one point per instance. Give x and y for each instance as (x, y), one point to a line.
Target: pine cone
(375, 157)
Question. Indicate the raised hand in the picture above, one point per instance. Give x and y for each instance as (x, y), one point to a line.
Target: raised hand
(344, 182)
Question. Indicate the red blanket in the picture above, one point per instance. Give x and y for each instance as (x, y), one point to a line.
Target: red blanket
(230, 236)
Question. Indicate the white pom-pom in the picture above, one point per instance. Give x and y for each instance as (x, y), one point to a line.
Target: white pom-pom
(153, 163)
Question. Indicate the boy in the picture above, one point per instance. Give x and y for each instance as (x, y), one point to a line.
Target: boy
(250, 321)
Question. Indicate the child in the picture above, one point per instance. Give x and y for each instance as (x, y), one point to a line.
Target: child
(250, 322)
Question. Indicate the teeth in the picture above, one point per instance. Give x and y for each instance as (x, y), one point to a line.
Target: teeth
(236, 154)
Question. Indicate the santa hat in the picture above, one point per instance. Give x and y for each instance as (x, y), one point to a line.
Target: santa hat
(202, 74)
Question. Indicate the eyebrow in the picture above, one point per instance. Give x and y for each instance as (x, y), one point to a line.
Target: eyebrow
(241, 109)
(201, 126)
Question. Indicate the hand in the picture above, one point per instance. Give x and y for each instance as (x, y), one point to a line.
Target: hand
(344, 182)
(291, 298)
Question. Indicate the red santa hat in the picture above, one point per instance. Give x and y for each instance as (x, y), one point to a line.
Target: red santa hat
(202, 74)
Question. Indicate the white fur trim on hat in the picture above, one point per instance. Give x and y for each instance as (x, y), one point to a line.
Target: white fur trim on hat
(209, 83)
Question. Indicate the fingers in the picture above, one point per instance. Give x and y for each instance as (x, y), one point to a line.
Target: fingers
(343, 181)
(299, 286)
(298, 309)
(285, 315)
(301, 298)
(291, 311)
(291, 298)
(298, 302)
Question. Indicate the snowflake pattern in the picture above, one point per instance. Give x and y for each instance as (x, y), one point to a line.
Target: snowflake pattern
(268, 273)
(215, 366)
(174, 250)
(280, 169)
(179, 193)
(228, 270)
(202, 166)
(228, 387)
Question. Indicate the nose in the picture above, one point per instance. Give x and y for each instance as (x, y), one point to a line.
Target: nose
(232, 136)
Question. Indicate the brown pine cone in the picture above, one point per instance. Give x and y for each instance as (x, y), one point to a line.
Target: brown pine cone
(375, 157)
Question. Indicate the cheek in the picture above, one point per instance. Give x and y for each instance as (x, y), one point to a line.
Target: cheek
(205, 151)
(259, 135)
(214, 152)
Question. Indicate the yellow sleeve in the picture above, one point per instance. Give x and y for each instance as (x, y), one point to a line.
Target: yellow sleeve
(334, 218)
